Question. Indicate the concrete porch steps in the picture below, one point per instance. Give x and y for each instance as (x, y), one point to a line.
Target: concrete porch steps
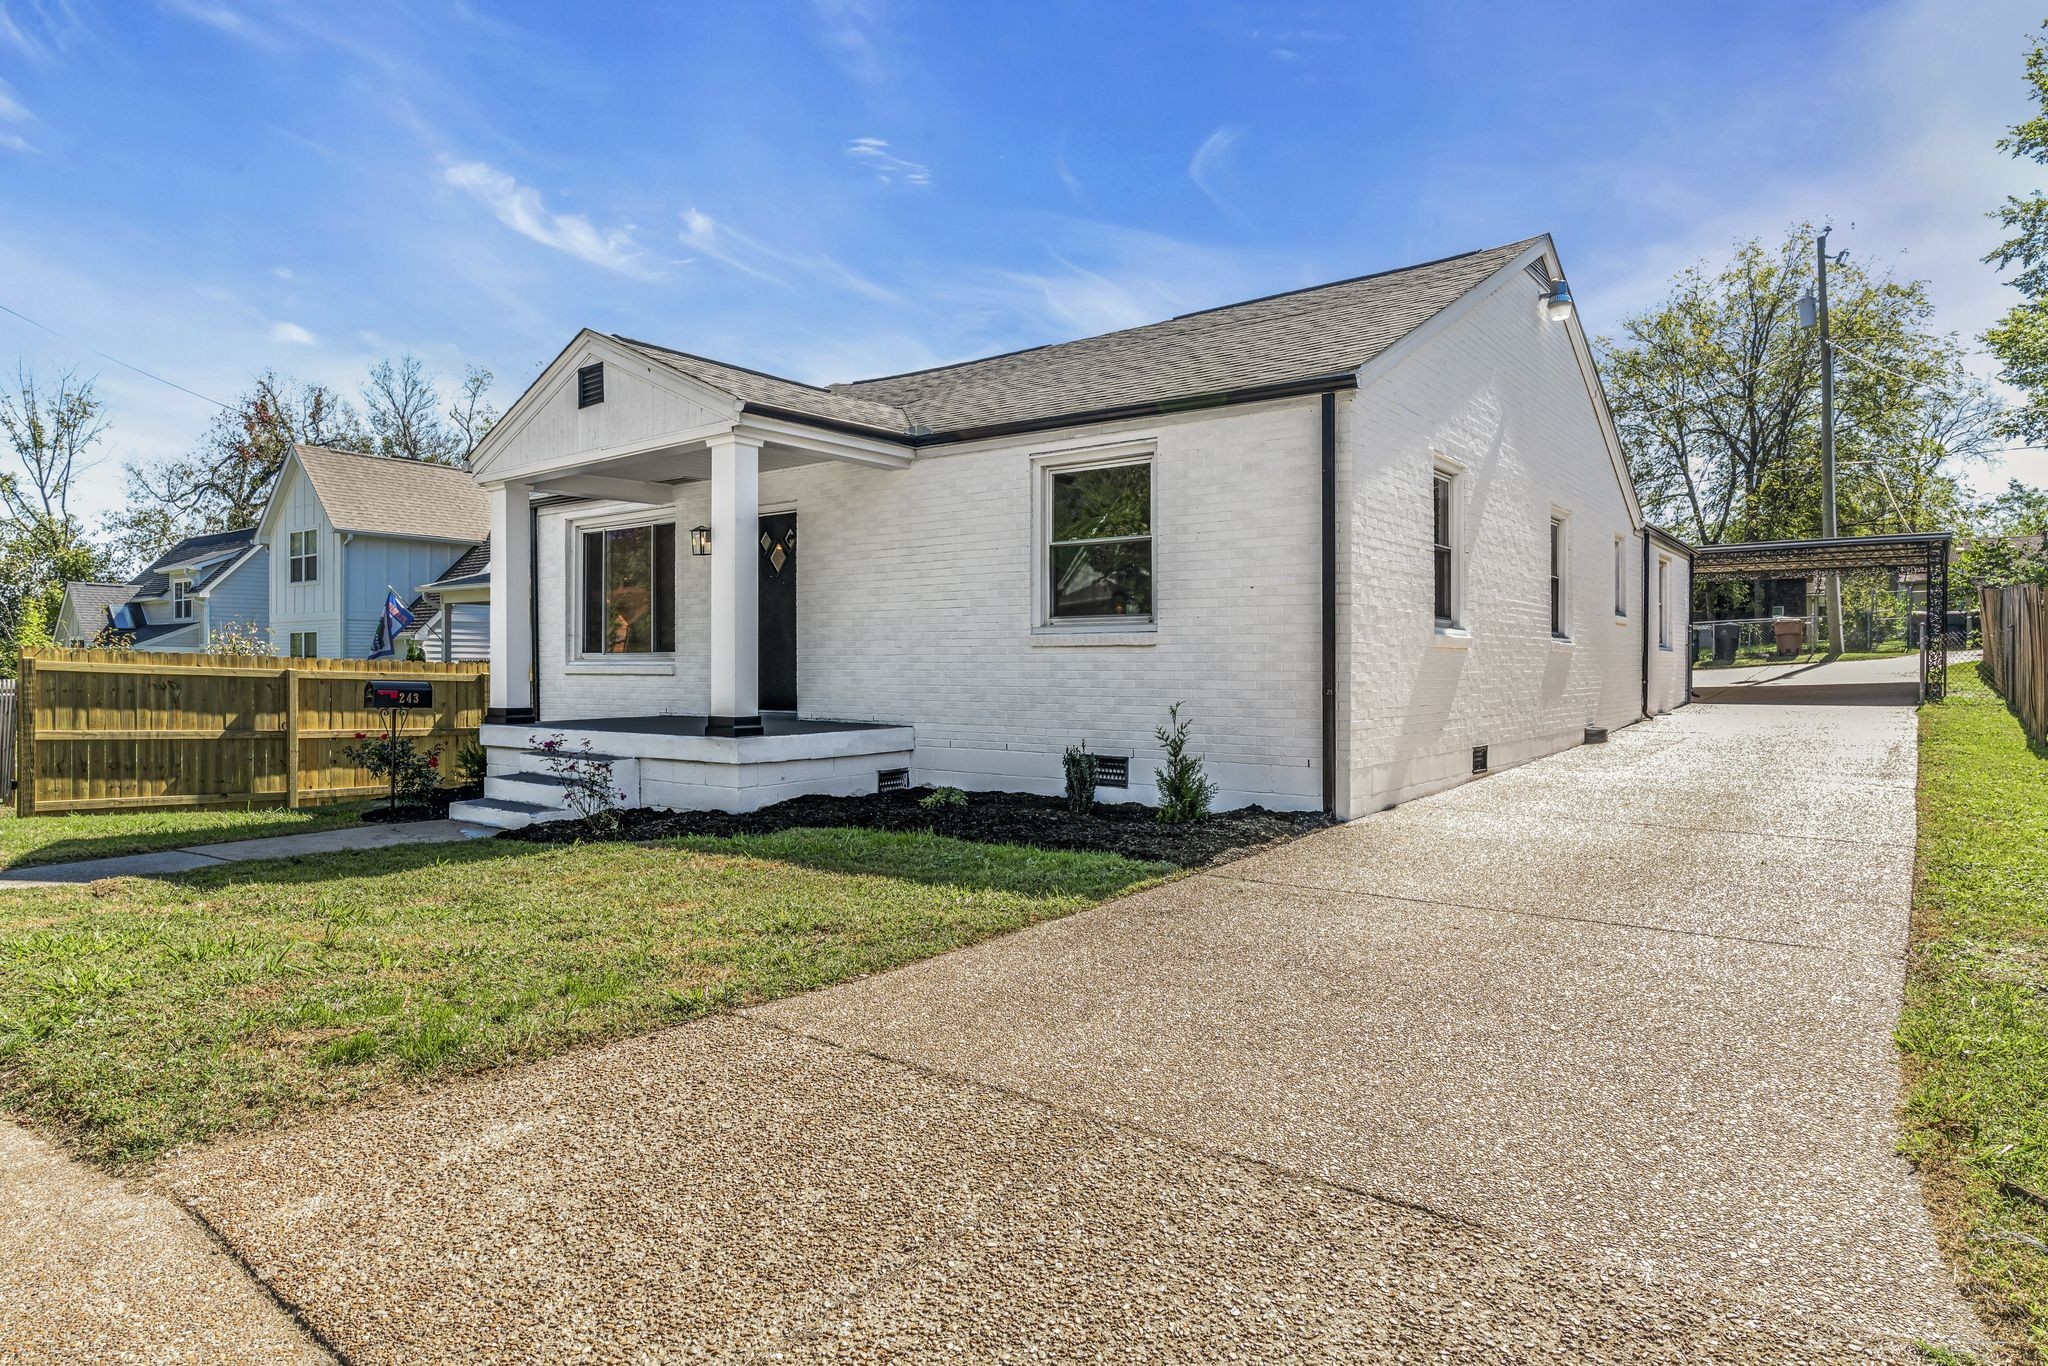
(503, 814)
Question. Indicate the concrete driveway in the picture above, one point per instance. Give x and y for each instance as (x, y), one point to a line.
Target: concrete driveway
(1589, 1059)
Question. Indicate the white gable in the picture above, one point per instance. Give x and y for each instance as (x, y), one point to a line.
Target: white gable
(645, 405)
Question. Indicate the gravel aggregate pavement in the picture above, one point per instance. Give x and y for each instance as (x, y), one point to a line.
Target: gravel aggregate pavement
(93, 1270)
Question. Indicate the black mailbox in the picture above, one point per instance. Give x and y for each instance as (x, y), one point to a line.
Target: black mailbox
(395, 695)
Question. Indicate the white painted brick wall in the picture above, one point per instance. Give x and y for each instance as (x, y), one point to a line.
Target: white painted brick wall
(1499, 390)
(914, 604)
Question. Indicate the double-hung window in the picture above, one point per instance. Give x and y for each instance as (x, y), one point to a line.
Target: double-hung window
(1620, 577)
(1443, 509)
(305, 556)
(181, 600)
(1560, 560)
(1099, 563)
(629, 589)
(1663, 604)
(305, 644)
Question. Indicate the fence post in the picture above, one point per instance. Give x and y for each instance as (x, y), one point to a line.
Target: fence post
(291, 737)
(25, 736)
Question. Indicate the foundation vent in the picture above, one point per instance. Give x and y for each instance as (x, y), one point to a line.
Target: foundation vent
(893, 780)
(1112, 770)
(1479, 758)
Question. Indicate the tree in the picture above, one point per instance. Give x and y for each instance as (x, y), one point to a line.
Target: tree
(224, 482)
(50, 432)
(2006, 543)
(407, 420)
(1716, 394)
(2020, 339)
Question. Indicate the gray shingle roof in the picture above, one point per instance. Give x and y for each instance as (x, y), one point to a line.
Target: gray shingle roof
(193, 550)
(471, 569)
(92, 601)
(380, 496)
(1302, 335)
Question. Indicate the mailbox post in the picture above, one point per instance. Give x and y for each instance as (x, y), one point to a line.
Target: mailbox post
(394, 697)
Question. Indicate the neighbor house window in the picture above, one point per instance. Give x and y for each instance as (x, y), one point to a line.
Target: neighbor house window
(1664, 604)
(1620, 577)
(305, 556)
(181, 600)
(1444, 546)
(629, 589)
(1560, 559)
(1099, 543)
(305, 645)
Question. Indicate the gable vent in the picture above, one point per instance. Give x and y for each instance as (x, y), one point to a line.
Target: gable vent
(1112, 770)
(590, 385)
(893, 780)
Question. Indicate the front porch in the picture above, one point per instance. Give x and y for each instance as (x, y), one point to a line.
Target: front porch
(681, 763)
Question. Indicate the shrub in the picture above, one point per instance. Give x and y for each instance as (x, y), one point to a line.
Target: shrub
(1184, 792)
(472, 761)
(412, 775)
(593, 794)
(240, 640)
(943, 799)
(1081, 772)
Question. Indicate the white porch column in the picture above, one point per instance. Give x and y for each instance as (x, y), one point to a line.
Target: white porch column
(511, 606)
(735, 588)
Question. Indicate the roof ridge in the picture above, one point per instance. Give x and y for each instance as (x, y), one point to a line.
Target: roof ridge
(724, 364)
(853, 386)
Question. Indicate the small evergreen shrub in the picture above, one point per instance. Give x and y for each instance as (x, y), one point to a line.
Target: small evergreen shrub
(1081, 770)
(472, 761)
(1184, 791)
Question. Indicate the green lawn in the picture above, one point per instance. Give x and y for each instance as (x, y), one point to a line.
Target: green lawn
(1975, 1028)
(139, 1015)
(100, 834)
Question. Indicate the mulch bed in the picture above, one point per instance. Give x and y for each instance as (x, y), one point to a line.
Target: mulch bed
(435, 810)
(1127, 828)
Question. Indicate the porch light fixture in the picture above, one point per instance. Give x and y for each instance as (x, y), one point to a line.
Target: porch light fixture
(1557, 302)
(700, 540)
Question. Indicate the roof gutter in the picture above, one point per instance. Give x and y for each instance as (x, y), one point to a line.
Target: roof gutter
(1222, 398)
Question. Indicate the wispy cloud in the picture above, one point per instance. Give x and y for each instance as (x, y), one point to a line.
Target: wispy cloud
(1211, 160)
(888, 168)
(13, 110)
(221, 17)
(40, 29)
(847, 27)
(750, 256)
(521, 208)
(1075, 189)
(291, 334)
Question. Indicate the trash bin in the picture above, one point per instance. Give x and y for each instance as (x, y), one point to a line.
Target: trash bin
(1727, 635)
(1791, 633)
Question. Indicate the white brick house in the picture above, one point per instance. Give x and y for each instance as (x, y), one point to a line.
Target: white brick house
(1002, 558)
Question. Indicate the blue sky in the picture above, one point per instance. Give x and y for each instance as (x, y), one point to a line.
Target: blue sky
(839, 188)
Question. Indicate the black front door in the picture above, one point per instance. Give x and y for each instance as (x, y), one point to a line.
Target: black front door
(778, 612)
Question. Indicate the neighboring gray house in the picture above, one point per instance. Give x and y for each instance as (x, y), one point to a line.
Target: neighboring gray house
(199, 588)
(345, 530)
(452, 615)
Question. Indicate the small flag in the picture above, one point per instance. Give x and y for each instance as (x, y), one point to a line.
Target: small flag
(395, 619)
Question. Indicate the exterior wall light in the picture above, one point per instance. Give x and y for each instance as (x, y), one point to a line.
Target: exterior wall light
(700, 540)
(1557, 303)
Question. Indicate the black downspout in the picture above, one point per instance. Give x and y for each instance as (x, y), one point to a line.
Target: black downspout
(1646, 623)
(1329, 604)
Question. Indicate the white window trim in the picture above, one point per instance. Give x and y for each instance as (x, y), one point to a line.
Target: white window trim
(294, 557)
(1456, 633)
(1664, 602)
(1561, 519)
(1621, 579)
(184, 602)
(1126, 630)
(577, 660)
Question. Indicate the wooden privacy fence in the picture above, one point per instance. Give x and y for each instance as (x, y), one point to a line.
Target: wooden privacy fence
(2016, 652)
(113, 730)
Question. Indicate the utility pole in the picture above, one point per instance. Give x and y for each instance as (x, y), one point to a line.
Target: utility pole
(1827, 448)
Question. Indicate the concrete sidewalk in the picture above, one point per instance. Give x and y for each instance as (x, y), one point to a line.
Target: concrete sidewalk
(163, 862)
(1590, 1060)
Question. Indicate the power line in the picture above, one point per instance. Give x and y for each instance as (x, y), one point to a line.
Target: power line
(116, 360)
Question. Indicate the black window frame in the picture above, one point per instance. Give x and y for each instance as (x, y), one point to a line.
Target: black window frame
(592, 550)
(1051, 545)
(590, 385)
(1559, 618)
